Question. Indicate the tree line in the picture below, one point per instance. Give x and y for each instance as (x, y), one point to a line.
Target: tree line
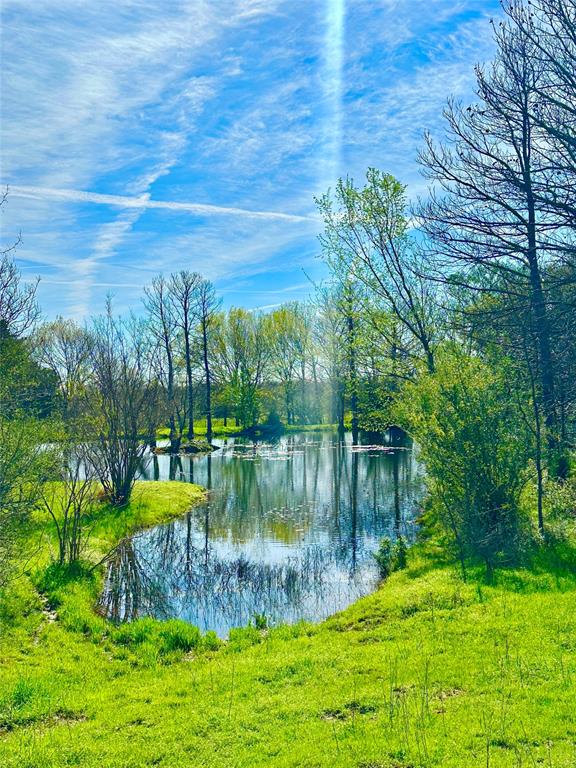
(473, 289)
(452, 317)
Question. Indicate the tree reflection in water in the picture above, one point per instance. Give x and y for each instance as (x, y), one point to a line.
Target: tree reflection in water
(288, 532)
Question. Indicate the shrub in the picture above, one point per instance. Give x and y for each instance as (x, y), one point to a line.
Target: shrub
(390, 556)
(475, 446)
(211, 641)
(400, 554)
(383, 558)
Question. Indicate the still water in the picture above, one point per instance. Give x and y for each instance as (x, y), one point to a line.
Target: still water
(288, 532)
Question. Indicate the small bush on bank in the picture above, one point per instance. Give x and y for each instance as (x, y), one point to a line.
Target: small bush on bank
(391, 556)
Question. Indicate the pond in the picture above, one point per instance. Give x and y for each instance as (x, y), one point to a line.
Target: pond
(288, 532)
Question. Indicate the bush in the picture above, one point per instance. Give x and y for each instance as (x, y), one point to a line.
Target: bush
(475, 446)
(154, 640)
(390, 556)
(134, 632)
(383, 558)
(400, 554)
(241, 638)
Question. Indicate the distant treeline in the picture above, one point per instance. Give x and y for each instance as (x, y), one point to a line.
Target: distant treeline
(453, 317)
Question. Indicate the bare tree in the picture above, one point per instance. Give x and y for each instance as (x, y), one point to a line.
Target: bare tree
(18, 307)
(119, 403)
(70, 502)
(164, 327)
(208, 306)
(183, 289)
(490, 236)
(550, 28)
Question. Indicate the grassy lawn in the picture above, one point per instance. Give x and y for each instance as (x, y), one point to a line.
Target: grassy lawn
(428, 671)
(218, 429)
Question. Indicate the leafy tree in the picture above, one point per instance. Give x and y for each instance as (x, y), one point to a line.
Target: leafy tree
(241, 359)
(366, 238)
(284, 332)
(21, 474)
(475, 446)
(65, 348)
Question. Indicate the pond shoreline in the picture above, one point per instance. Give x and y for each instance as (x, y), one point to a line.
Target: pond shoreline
(287, 534)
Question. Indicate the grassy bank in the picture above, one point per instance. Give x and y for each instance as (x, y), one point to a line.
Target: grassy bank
(230, 430)
(218, 429)
(152, 503)
(428, 671)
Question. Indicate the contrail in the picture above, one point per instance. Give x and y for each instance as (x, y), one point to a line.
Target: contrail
(334, 87)
(144, 201)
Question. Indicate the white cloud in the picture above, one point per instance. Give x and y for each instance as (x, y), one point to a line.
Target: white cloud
(143, 202)
(140, 135)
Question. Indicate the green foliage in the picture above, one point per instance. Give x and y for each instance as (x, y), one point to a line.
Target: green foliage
(391, 556)
(26, 389)
(22, 470)
(400, 553)
(383, 558)
(475, 446)
(167, 638)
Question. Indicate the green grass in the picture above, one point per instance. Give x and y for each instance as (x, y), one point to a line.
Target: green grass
(428, 671)
(152, 503)
(218, 429)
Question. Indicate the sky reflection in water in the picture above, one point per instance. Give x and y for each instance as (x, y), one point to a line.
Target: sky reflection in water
(288, 533)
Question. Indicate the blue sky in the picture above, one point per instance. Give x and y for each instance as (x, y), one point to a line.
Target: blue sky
(141, 136)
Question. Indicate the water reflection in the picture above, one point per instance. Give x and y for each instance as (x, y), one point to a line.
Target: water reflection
(288, 532)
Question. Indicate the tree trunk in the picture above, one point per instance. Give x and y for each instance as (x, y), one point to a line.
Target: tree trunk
(189, 385)
(208, 382)
(353, 377)
(542, 331)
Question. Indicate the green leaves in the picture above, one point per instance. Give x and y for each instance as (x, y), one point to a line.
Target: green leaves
(475, 445)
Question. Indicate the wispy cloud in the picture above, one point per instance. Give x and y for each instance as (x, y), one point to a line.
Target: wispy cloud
(143, 202)
(139, 135)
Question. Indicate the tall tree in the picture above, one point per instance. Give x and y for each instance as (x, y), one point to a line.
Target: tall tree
(164, 327)
(550, 28)
(183, 288)
(330, 329)
(119, 403)
(366, 237)
(208, 305)
(283, 333)
(488, 231)
(65, 348)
